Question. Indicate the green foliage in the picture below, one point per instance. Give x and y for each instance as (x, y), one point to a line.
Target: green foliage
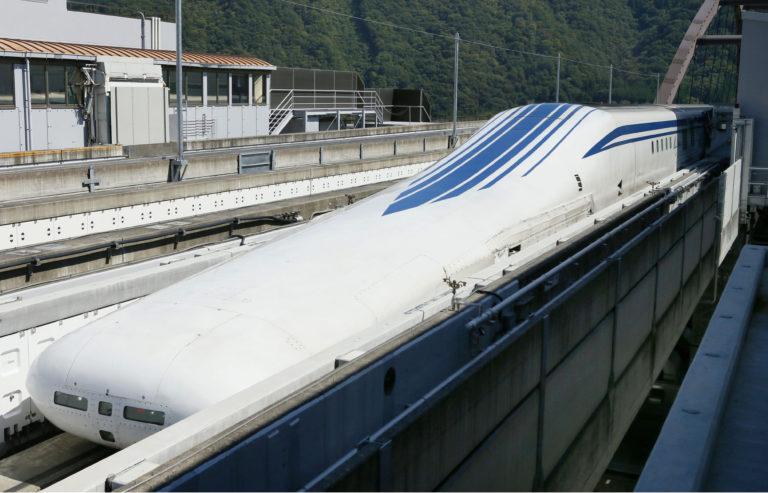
(635, 35)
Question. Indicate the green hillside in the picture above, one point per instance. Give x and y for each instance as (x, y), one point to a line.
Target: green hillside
(635, 35)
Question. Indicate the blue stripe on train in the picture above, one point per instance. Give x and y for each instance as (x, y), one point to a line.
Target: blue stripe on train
(559, 142)
(465, 156)
(522, 144)
(605, 143)
(458, 174)
(480, 139)
(528, 154)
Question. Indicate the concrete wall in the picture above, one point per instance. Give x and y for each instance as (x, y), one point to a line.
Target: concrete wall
(223, 122)
(57, 128)
(28, 223)
(49, 20)
(753, 73)
(603, 345)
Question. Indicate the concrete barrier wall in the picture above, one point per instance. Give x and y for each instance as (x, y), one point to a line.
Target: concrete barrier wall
(603, 350)
(332, 134)
(49, 181)
(60, 155)
(52, 207)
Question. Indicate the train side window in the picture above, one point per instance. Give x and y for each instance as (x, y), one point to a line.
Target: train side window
(105, 408)
(69, 400)
(144, 415)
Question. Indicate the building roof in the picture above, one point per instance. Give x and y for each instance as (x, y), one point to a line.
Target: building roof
(49, 49)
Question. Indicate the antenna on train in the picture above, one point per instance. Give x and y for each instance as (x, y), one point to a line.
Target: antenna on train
(455, 286)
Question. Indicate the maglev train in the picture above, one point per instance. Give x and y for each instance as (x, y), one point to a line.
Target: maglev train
(278, 316)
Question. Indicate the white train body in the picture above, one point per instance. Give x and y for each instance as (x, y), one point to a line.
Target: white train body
(279, 316)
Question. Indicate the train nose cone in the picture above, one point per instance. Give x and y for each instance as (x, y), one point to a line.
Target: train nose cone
(46, 383)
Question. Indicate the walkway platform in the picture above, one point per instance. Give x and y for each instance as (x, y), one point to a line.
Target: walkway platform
(716, 435)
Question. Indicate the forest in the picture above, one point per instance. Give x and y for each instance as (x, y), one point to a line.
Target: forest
(410, 43)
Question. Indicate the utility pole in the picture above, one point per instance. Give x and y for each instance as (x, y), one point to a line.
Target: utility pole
(178, 165)
(457, 40)
(658, 83)
(610, 86)
(557, 85)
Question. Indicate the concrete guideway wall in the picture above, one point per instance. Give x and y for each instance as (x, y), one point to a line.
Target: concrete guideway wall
(28, 266)
(17, 183)
(496, 408)
(685, 456)
(578, 372)
(36, 222)
(330, 135)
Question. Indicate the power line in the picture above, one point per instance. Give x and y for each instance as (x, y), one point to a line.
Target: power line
(413, 30)
(463, 40)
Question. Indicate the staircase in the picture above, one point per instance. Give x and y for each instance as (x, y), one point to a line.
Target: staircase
(280, 115)
(362, 103)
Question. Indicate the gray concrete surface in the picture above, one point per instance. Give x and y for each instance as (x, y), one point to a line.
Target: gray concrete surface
(30, 209)
(326, 148)
(715, 437)
(47, 462)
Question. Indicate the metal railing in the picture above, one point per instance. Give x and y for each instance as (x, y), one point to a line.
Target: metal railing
(364, 102)
(280, 113)
(758, 182)
(199, 129)
(414, 113)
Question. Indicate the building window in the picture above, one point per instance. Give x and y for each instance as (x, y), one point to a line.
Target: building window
(223, 89)
(37, 83)
(259, 89)
(6, 84)
(57, 85)
(218, 88)
(194, 80)
(193, 86)
(169, 76)
(239, 89)
(54, 84)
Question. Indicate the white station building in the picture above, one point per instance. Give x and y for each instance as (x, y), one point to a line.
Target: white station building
(74, 79)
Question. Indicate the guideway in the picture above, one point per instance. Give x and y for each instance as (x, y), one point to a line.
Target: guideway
(47, 462)
(716, 435)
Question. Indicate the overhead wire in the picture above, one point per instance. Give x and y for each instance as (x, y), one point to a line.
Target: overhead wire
(393, 25)
(461, 40)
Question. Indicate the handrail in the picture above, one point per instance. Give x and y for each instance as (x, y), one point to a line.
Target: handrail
(335, 100)
(281, 112)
